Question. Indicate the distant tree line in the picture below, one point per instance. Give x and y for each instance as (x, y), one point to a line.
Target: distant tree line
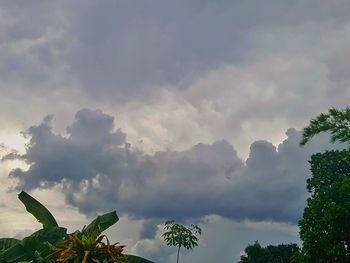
(277, 254)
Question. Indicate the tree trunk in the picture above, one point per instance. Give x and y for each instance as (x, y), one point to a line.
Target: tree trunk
(178, 254)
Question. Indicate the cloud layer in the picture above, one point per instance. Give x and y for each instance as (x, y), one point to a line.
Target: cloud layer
(224, 66)
(128, 48)
(177, 73)
(99, 170)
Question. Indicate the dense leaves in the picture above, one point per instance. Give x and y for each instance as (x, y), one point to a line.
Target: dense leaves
(36, 246)
(325, 228)
(270, 254)
(52, 244)
(88, 247)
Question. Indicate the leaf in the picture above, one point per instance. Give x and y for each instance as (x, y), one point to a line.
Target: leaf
(6, 243)
(27, 248)
(135, 259)
(101, 223)
(15, 253)
(40, 212)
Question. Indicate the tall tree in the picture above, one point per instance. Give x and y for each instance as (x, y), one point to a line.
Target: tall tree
(325, 227)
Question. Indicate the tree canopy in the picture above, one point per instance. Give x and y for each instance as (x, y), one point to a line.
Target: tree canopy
(325, 227)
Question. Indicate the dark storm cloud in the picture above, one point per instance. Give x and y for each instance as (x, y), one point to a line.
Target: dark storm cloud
(52, 157)
(100, 171)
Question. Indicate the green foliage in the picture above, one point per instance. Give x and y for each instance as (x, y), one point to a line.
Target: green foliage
(101, 223)
(52, 244)
(34, 246)
(181, 236)
(325, 228)
(135, 259)
(337, 122)
(88, 247)
(6, 243)
(39, 211)
(270, 254)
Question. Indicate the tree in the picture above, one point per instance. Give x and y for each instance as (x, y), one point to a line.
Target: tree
(325, 227)
(270, 254)
(181, 236)
(337, 122)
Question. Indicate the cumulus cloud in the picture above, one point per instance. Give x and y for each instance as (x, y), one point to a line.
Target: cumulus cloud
(98, 170)
(95, 136)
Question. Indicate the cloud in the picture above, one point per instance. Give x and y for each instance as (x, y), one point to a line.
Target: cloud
(98, 170)
(227, 65)
(95, 136)
(128, 49)
(139, 47)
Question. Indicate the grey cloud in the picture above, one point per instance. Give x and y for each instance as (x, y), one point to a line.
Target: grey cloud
(53, 157)
(124, 47)
(31, 43)
(99, 170)
(137, 45)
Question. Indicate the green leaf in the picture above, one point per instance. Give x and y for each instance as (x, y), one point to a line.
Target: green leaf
(15, 253)
(135, 259)
(101, 223)
(40, 212)
(6, 243)
(35, 244)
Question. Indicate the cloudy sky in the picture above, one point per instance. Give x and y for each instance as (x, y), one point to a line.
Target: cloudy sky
(188, 109)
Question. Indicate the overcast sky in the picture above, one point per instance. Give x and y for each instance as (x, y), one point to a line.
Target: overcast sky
(188, 109)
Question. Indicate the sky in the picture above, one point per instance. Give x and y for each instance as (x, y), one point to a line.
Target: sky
(189, 110)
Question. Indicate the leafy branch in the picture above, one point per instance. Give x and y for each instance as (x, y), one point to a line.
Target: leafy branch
(337, 122)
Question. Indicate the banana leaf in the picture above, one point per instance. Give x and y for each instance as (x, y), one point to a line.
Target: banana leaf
(101, 223)
(40, 212)
(31, 246)
(6, 243)
(135, 259)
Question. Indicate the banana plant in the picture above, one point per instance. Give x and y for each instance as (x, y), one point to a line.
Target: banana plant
(52, 243)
